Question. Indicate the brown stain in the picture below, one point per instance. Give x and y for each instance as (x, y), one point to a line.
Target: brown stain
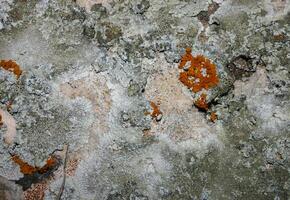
(72, 166)
(11, 66)
(156, 111)
(201, 102)
(213, 116)
(1, 122)
(212, 8)
(279, 38)
(200, 75)
(204, 16)
(37, 192)
(28, 169)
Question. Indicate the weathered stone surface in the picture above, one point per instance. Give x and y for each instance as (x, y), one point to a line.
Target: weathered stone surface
(9, 190)
(91, 70)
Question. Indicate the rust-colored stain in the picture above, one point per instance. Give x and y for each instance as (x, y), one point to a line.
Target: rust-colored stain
(11, 66)
(27, 169)
(279, 38)
(156, 111)
(37, 192)
(72, 166)
(201, 73)
(1, 123)
(213, 116)
(201, 102)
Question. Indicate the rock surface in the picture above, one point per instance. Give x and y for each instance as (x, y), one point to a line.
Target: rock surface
(91, 70)
(9, 190)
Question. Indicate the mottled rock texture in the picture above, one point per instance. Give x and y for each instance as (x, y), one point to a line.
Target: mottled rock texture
(91, 71)
(9, 190)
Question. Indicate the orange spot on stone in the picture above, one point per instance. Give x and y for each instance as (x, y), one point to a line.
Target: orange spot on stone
(27, 169)
(200, 75)
(156, 111)
(201, 102)
(11, 66)
(213, 116)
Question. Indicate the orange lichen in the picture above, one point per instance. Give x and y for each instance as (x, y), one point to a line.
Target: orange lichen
(201, 73)
(27, 169)
(12, 66)
(156, 111)
(185, 58)
(37, 191)
(51, 162)
(213, 116)
(201, 102)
